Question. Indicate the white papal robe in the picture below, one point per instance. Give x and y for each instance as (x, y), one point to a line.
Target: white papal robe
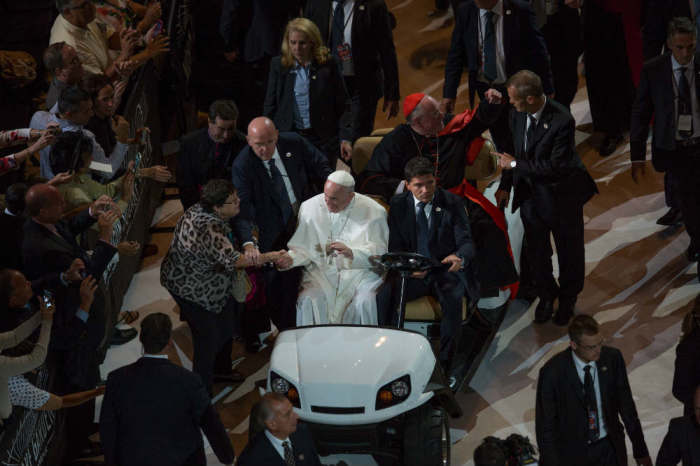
(336, 289)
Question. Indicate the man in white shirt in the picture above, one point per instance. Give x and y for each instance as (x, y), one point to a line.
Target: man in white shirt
(337, 233)
(283, 441)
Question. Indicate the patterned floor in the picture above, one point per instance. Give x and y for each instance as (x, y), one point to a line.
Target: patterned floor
(639, 285)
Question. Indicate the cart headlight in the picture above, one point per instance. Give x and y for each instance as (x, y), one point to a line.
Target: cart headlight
(279, 384)
(393, 393)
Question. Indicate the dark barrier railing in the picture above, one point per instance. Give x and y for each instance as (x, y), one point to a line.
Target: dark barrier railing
(34, 437)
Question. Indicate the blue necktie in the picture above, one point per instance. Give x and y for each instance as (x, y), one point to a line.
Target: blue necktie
(490, 69)
(338, 27)
(279, 191)
(422, 231)
(591, 405)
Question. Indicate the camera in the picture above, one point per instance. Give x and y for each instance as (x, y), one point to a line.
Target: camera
(47, 297)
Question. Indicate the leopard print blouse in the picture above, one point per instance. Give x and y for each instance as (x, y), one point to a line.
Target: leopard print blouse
(200, 264)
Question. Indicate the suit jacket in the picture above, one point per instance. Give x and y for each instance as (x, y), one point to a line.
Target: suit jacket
(523, 44)
(197, 162)
(686, 375)
(551, 170)
(152, 413)
(560, 416)
(260, 451)
(655, 97)
(681, 444)
(304, 164)
(450, 232)
(255, 28)
(329, 102)
(373, 52)
(11, 234)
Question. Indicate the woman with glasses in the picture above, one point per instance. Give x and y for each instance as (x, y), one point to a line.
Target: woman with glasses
(203, 271)
(306, 93)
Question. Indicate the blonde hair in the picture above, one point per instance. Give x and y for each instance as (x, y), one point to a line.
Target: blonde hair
(319, 52)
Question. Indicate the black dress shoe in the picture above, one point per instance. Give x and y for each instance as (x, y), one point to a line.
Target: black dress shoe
(671, 217)
(544, 310)
(692, 254)
(565, 312)
(121, 336)
(609, 144)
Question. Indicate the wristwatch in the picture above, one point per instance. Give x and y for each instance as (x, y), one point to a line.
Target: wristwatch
(513, 163)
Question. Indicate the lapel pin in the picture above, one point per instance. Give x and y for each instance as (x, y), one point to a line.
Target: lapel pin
(438, 209)
(361, 7)
(546, 126)
(313, 76)
(604, 368)
(507, 12)
(301, 457)
(288, 155)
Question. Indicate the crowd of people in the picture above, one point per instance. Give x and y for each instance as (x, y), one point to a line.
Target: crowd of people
(277, 229)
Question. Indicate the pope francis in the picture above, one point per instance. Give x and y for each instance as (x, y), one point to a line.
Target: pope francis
(338, 231)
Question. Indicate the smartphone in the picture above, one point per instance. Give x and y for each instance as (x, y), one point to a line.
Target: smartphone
(47, 297)
(158, 28)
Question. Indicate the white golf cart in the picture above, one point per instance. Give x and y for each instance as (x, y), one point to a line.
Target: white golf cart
(372, 390)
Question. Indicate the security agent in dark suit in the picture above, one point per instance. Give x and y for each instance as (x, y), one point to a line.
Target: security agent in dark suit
(306, 92)
(274, 175)
(283, 441)
(551, 186)
(682, 442)
(582, 392)
(669, 88)
(492, 51)
(358, 32)
(208, 153)
(153, 410)
(432, 222)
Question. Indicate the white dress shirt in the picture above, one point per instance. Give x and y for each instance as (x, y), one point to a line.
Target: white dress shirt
(428, 208)
(277, 443)
(580, 365)
(280, 166)
(537, 115)
(348, 11)
(500, 51)
(690, 75)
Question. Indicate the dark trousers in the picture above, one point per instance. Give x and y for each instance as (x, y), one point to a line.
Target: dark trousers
(671, 191)
(601, 453)
(363, 107)
(449, 290)
(566, 225)
(281, 291)
(685, 172)
(608, 77)
(562, 33)
(212, 337)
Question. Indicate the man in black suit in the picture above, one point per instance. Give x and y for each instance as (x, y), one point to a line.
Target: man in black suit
(208, 153)
(283, 441)
(274, 175)
(358, 32)
(11, 227)
(506, 32)
(551, 186)
(582, 393)
(669, 88)
(682, 442)
(432, 222)
(153, 410)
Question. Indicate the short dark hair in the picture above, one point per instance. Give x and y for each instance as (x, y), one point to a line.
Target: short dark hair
(215, 193)
(580, 325)
(526, 83)
(62, 5)
(14, 198)
(53, 57)
(680, 25)
(155, 334)
(490, 453)
(418, 166)
(71, 98)
(224, 109)
(93, 83)
(67, 153)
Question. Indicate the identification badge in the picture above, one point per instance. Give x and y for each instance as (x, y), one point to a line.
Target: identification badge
(685, 123)
(345, 56)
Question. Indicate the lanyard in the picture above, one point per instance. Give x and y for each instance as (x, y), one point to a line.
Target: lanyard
(331, 20)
